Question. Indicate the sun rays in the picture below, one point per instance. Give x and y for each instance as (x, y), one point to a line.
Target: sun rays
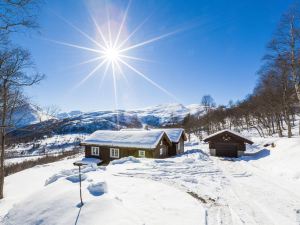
(113, 56)
(111, 51)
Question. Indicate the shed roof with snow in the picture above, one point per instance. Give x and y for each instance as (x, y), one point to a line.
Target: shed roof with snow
(238, 135)
(124, 138)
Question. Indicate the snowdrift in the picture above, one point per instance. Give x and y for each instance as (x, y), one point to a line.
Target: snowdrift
(108, 199)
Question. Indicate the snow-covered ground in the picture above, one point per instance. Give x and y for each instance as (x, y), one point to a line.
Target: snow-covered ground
(265, 188)
(39, 148)
(55, 143)
(192, 188)
(20, 160)
(50, 195)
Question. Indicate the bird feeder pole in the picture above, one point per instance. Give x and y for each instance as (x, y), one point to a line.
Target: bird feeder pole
(79, 164)
(80, 185)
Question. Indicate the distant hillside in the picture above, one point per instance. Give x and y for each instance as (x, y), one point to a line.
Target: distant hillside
(27, 115)
(159, 115)
(163, 113)
(88, 122)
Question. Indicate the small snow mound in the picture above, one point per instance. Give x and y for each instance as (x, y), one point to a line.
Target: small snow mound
(75, 178)
(72, 174)
(52, 179)
(129, 159)
(188, 160)
(98, 188)
(55, 177)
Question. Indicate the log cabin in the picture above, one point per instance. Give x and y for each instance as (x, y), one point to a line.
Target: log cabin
(227, 143)
(177, 137)
(109, 145)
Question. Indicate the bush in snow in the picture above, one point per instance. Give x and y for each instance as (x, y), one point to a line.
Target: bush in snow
(98, 188)
(129, 159)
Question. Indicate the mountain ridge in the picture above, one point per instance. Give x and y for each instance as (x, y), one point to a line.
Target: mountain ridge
(87, 122)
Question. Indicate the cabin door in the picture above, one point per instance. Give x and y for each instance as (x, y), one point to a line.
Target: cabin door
(226, 149)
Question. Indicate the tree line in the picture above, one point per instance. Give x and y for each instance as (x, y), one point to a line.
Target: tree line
(274, 103)
(17, 69)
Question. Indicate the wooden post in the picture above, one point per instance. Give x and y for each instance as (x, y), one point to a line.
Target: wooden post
(80, 186)
(79, 164)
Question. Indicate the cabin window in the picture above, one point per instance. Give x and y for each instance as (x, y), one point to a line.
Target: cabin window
(161, 143)
(114, 153)
(95, 151)
(161, 151)
(142, 153)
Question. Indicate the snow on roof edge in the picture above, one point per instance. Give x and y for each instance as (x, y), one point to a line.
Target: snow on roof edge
(165, 130)
(230, 131)
(160, 129)
(124, 144)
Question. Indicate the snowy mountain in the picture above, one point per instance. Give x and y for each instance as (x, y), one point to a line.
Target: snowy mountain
(69, 114)
(159, 115)
(162, 113)
(165, 114)
(87, 122)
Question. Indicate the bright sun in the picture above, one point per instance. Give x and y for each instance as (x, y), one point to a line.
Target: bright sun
(112, 54)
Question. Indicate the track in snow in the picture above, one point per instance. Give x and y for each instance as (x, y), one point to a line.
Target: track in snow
(233, 192)
(258, 195)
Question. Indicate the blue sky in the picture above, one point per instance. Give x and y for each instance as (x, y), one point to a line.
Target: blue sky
(218, 51)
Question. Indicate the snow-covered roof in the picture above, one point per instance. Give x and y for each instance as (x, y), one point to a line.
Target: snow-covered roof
(229, 131)
(133, 139)
(173, 134)
(132, 129)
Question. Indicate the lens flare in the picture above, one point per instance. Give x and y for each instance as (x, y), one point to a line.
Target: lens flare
(112, 54)
(112, 51)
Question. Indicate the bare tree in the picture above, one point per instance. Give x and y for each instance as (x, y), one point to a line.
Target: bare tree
(17, 15)
(16, 72)
(286, 43)
(208, 102)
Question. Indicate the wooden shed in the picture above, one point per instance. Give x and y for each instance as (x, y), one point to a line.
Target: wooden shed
(109, 145)
(227, 143)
